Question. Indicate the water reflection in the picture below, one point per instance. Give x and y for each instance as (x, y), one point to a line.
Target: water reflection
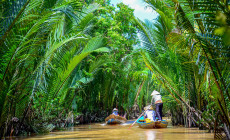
(150, 135)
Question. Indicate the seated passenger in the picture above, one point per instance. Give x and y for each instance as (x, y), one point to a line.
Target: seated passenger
(150, 113)
(115, 112)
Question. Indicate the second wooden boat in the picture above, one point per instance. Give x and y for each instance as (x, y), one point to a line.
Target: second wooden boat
(114, 119)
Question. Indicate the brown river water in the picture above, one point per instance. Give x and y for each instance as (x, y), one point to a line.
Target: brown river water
(99, 131)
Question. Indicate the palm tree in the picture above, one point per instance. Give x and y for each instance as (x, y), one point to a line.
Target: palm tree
(184, 39)
(41, 48)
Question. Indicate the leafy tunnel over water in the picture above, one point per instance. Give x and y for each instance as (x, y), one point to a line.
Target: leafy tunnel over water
(69, 62)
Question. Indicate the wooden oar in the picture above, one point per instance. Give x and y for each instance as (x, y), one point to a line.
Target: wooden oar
(139, 117)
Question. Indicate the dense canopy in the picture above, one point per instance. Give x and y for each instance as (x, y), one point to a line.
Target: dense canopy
(61, 60)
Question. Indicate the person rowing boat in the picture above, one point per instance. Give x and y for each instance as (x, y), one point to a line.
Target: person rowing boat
(115, 111)
(157, 101)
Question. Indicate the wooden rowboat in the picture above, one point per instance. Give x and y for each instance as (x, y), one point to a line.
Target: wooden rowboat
(161, 124)
(114, 119)
(150, 125)
(147, 125)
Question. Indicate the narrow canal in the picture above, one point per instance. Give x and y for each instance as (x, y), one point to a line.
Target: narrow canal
(99, 131)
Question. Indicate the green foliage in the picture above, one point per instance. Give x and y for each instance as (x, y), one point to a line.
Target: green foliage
(60, 59)
(185, 56)
(40, 51)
